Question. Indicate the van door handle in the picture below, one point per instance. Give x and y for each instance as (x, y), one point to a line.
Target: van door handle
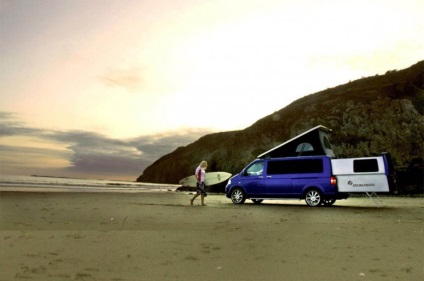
(268, 177)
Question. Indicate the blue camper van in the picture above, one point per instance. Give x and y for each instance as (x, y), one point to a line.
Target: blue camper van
(308, 178)
(305, 167)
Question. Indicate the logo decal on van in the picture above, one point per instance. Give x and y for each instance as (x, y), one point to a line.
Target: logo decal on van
(360, 184)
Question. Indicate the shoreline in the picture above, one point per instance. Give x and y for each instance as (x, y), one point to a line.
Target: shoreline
(85, 189)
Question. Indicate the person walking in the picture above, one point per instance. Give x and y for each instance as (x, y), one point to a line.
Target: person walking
(200, 178)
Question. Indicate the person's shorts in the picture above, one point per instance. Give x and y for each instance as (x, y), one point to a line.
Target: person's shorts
(201, 189)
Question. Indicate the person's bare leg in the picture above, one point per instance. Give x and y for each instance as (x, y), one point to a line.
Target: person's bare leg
(192, 199)
(202, 198)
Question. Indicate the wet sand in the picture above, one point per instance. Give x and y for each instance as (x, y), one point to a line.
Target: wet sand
(159, 236)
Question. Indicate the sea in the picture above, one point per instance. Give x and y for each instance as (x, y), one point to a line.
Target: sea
(13, 182)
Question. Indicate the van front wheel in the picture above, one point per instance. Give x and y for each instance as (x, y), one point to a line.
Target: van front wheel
(313, 197)
(237, 196)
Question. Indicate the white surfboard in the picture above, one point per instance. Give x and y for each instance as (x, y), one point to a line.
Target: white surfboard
(210, 179)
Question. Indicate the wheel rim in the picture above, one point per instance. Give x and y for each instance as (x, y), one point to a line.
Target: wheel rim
(237, 196)
(313, 198)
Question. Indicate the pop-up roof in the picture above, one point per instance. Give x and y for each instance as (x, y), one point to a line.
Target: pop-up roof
(312, 142)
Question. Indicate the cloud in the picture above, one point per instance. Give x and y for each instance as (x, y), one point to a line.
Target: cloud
(81, 153)
(155, 146)
(11, 125)
(130, 79)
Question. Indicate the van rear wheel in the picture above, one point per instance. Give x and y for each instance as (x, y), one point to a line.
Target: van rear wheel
(313, 197)
(237, 196)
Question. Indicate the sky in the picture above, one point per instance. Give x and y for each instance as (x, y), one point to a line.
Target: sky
(103, 88)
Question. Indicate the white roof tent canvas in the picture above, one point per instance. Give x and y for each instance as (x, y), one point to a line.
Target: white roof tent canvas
(312, 142)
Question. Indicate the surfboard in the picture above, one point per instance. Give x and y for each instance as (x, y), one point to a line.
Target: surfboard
(211, 178)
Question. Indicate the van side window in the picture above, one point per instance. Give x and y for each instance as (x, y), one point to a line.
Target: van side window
(365, 165)
(295, 167)
(255, 170)
(326, 143)
(304, 147)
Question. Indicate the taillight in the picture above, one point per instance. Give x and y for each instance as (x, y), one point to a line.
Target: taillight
(333, 180)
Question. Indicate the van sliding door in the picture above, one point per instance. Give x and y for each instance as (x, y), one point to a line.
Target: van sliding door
(288, 178)
(278, 179)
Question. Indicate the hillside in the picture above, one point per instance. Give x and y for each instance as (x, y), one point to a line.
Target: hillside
(368, 116)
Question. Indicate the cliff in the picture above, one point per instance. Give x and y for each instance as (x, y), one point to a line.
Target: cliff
(368, 116)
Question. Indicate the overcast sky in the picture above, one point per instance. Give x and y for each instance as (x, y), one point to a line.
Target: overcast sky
(102, 88)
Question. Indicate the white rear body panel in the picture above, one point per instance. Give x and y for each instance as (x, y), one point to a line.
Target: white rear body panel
(349, 179)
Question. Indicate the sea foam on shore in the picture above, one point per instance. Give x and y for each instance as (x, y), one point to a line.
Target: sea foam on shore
(56, 184)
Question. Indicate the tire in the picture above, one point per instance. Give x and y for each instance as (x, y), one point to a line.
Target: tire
(328, 202)
(313, 197)
(257, 201)
(238, 196)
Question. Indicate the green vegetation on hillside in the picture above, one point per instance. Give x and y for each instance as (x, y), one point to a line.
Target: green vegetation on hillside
(383, 113)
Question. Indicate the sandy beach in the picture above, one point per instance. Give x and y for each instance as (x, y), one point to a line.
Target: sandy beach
(159, 236)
